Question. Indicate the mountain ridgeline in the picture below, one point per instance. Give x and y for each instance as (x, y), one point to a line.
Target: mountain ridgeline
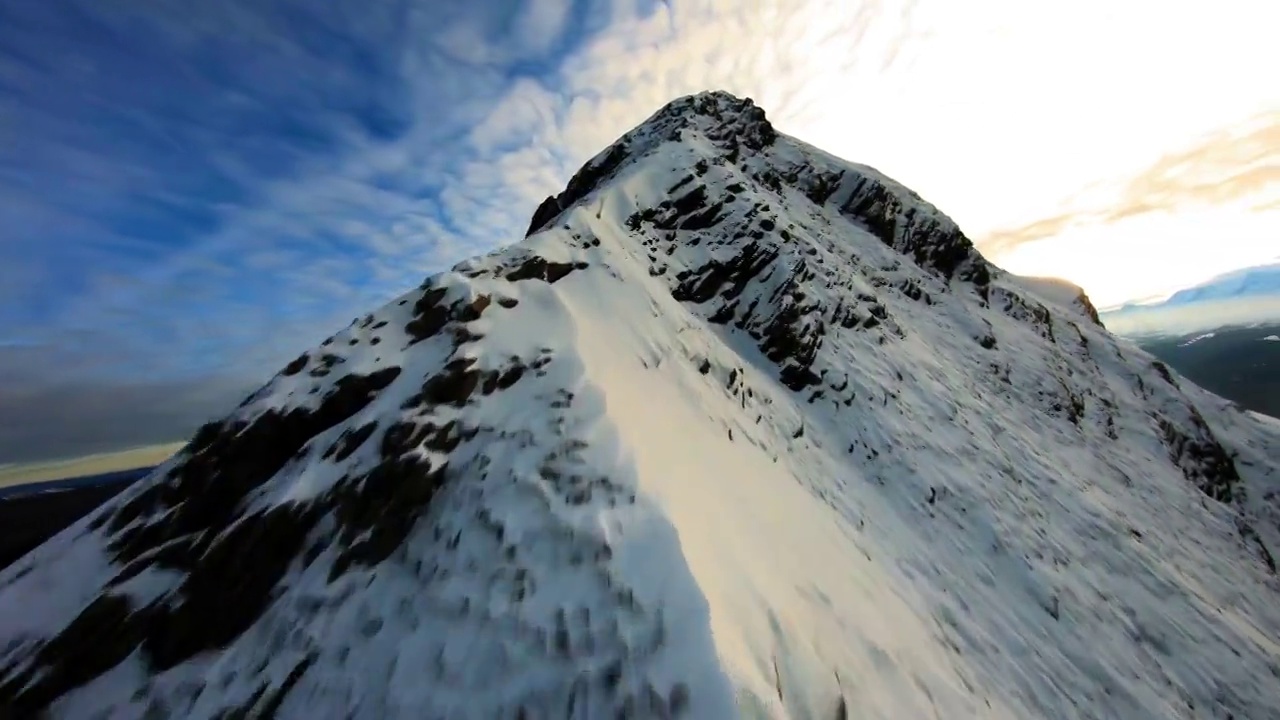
(739, 429)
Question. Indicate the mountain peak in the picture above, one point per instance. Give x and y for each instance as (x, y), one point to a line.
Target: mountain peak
(731, 123)
(740, 428)
(718, 129)
(726, 118)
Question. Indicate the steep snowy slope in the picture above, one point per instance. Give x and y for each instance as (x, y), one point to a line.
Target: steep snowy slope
(739, 430)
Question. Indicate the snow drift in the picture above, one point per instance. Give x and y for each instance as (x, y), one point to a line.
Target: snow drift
(739, 430)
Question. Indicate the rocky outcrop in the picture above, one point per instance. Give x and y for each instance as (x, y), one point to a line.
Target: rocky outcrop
(738, 124)
(933, 243)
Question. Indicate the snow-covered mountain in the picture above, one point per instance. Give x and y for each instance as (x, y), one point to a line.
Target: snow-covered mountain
(739, 430)
(1240, 298)
(1248, 282)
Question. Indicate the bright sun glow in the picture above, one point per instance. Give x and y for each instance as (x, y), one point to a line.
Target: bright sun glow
(1151, 255)
(1011, 112)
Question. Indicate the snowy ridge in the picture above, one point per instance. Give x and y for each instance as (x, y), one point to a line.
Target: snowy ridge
(739, 430)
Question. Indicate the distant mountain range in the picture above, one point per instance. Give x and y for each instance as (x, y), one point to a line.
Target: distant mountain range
(1249, 282)
(1243, 297)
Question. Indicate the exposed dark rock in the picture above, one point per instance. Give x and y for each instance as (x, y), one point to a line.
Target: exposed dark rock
(453, 385)
(296, 365)
(1027, 311)
(703, 219)
(1249, 534)
(538, 268)
(798, 377)
(933, 244)
(582, 184)
(1086, 305)
(470, 312)
(223, 595)
(350, 441)
(705, 282)
(510, 376)
(1163, 370)
(402, 437)
(430, 315)
(325, 365)
(787, 336)
(433, 316)
(912, 290)
(725, 314)
(819, 187)
(744, 123)
(1075, 407)
(204, 492)
(219, 599)
(739, 124)
(691, 211)
(548, 210)
(1200, 456)
(791, 331)
(690, 201)
(684, 181)
(376, 513)
(98, 639)
(266, 702)
(187, 523)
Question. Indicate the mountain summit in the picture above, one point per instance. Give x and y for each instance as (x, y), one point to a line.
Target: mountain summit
(739, 430)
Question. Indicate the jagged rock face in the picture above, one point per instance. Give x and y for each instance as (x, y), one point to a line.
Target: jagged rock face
(731, 124)
(739, 429)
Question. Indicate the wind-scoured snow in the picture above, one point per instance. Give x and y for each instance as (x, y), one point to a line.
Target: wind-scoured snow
(740, 430)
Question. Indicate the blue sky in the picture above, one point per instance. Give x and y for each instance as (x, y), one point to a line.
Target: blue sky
(180, 184)
(191, 193)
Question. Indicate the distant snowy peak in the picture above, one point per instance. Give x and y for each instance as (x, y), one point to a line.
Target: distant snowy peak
(740, 429)
(1244, 283)
(1197, 338)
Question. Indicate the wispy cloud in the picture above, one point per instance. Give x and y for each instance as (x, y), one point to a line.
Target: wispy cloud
(1208, 208)
(1234, 164)
(201, 189)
